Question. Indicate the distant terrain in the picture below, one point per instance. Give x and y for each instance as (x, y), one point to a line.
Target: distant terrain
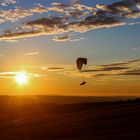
(69, 118)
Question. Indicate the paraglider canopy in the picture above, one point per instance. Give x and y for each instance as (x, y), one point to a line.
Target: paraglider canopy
(80, 62)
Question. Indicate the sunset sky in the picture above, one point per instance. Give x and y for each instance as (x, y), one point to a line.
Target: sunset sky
(43, 39)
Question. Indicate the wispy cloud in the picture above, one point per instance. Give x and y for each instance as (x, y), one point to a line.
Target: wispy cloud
(10, 40)
(66, 38)
(7, 2)
(106, 71)
(129, 68)
(57, 68)
(77, 39)
(134, 23)
(13, 75)
(125, 68)
(61, 38)
(32, 53)
(136, 48)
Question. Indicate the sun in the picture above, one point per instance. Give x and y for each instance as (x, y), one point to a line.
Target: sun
(21, 78)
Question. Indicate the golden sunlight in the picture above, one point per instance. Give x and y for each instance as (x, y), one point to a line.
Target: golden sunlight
(21, 78)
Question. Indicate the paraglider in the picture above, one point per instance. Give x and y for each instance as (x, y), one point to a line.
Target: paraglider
(80, 62)
(83, 83)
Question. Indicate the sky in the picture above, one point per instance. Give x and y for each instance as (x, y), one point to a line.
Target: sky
(43, 39)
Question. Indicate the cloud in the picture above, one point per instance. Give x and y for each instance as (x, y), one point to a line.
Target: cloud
(57, 25)
(68, 17)
(32, 53)
(18, 35)
(129, 68)
(54, 68)
(75, 14)
(66, 38)
(138, 48)
(117, 7)
(77, 39)
(124, 68)
(135, 72)
(134, 23)
(74, 2)
(8, 2)
(1, 20)
(10, 40)
(133, 14)
(61, 38)
(12, 75)
(20, 13)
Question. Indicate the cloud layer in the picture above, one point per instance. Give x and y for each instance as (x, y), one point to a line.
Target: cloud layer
(128, 68)
(125, 69)
(12, 75)
(62, 18)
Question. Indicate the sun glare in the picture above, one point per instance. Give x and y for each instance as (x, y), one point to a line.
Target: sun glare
(21, 78)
